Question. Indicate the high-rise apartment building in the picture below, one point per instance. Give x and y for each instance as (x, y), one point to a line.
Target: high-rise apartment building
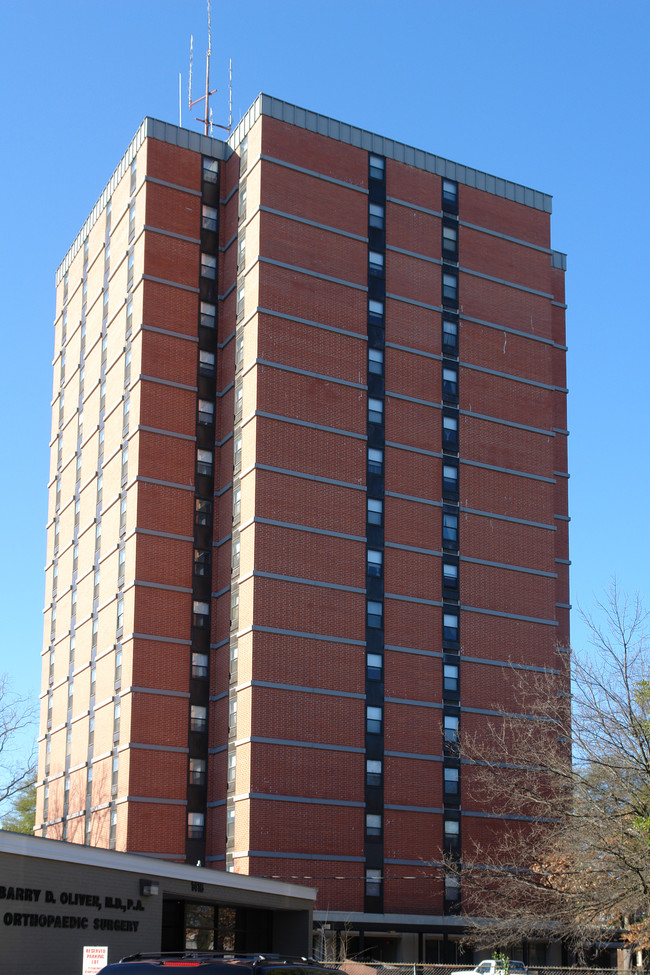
(308, 508)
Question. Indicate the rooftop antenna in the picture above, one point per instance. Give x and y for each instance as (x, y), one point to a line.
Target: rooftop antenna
(206, 97)
(207, 120)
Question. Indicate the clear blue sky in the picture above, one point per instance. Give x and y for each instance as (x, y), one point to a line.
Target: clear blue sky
(551, 94)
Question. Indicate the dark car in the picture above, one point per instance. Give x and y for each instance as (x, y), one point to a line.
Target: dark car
(216, 963)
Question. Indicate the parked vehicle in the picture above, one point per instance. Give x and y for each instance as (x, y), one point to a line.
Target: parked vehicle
(493, 967)
(216, 963)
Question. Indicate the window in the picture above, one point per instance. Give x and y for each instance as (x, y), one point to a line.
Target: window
(201, 562)
(449, 575)
(230, 822)
(202, 512)
(449, 336)
(376, 166)
(241, 210)
(373, 824)
(120, 613)
(375, 460)
(236, 453)
(449, 432)
(206, 413)
(450, 382)
(451, 781)
(93, 639)
(199, 665)
(198, 717)
(373, 771)
(452, 888)
(241, 252)
(375, 410)
(236, 504)
(200, 614)
(450, 287)
(450, 729)
(374, 562)
(239, 400)
(129, 270)
(236, 551)
(375, 511)
(209, 218)
(112, 830)
(204, 461)
(449, 193)
(376, 263)
(243, 155)
(376, 216)
(375, 613)
(208, 314)
(118, 668)
(232, 715)
(132, 221)
(210, 170)
(375, 312)
(208, 266)
(373, 883)
(195, 825)
(234, 607)
(376, 362)
(373, 720)
(241, 299)
(239, 351)
(450, 531)
(450, 678)
(122, 516)
(206, 363)
(127, 367)
(129, 317)
(133, 177)
(116, 718)
(121, 565)
(450, 241)
(450, 627)
(375, 663)
(125, 463)
(450, 480)
(98, 537)
(197, 771)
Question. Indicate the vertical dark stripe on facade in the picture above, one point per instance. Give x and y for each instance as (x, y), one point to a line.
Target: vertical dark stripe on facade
(203, 517)
(450, 540)
(374, 735)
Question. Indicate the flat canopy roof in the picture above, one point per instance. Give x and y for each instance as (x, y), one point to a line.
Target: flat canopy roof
(22, 845)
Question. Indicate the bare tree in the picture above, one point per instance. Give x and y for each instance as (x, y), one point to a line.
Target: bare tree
(17, 716)
(576, 774)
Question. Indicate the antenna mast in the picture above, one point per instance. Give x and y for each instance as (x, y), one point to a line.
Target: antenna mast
(207, 120)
